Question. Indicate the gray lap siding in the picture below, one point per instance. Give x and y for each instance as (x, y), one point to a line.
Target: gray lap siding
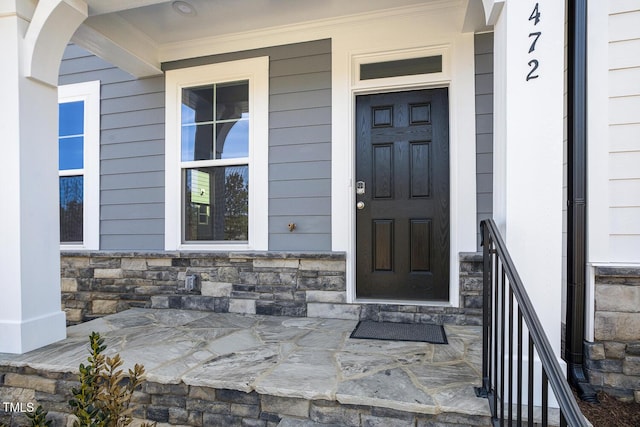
(299, 141)
(484, 126)
(132, 146)
(131, 151)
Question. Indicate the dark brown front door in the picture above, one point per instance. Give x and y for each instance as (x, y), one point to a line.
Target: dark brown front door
(402, 195)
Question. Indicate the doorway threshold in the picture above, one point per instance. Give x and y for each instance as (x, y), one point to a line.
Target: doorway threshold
(402, 302)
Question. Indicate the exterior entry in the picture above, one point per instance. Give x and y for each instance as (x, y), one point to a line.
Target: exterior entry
(402, 195)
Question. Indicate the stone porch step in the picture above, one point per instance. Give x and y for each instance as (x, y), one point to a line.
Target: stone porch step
(222, 369)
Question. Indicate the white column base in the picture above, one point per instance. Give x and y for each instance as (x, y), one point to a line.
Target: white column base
(23, 336)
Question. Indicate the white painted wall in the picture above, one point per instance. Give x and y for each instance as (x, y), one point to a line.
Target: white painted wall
(624, 131)
(528, 151)
(613, 110)
(614, 132)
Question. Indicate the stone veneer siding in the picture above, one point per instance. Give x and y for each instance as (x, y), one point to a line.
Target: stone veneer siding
(187, 405)
(95, 284)
(613, 359)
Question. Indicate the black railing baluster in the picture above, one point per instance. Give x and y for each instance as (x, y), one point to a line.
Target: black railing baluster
(519, 414)
(502, 341)
(496, 353)
(510, 384)
(487, 260)
(545, 399)
(530, 383)
(499, 271)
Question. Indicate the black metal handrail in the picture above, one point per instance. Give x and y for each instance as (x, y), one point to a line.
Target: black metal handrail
(500, 273)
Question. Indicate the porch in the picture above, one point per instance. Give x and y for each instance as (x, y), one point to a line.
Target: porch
(227, 369)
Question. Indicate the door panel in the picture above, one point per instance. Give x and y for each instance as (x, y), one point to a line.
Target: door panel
(402, 228)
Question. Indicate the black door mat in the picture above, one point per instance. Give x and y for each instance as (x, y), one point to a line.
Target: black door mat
(368, 329)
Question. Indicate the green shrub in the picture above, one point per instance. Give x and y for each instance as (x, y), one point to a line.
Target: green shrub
(104, 396)
(39, 417)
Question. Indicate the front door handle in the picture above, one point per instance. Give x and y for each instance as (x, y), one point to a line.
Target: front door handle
(360, 205)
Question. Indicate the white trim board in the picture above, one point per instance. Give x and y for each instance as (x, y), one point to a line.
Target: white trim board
(432, 36)
(256, 71)
(89, 92)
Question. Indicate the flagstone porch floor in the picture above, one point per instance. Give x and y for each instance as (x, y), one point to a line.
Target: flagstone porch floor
(308, 358)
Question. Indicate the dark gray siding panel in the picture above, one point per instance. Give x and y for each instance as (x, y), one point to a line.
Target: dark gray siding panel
(300, 206)
(131, 118)
(300, 153)
(298, 118)
(129, 196)
(298, 135)
(132, 149)
(131, 180)
(301, 170)
(132, 152)
(132, 165)
(139, 241)
(299, 141)
(138, 133)
(293, 242)
(484, 125)
(142, 226)
(139, 102)
(299, 83)
(132, 211)
(288, 189)
(293, 66)
(132, 146)
(300, 100)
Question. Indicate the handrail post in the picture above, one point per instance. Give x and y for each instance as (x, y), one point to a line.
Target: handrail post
(484, 390)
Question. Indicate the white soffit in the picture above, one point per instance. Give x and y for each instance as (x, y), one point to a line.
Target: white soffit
(221, 17)
(132, 33)
(101, 7)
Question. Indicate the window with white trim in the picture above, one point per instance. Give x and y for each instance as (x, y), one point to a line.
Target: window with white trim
(78, 164)
(216, 157)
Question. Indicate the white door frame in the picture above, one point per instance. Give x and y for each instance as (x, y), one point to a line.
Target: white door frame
(458, 76)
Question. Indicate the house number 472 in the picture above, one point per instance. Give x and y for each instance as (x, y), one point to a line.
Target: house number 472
(534, 37)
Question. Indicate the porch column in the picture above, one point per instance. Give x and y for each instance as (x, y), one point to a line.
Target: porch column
(528, 153)
(32, 40)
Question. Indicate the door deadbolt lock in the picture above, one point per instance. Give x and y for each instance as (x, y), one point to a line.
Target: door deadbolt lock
(360, 187)
(360, 205)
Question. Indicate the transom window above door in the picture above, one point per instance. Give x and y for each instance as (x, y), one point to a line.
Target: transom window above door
(217, 148)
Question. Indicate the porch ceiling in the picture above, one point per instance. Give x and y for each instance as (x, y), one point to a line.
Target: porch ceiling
(135, 34)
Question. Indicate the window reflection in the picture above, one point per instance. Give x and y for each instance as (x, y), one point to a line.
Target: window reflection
(71, 208)
(197, 105)
(232, 140)
(216, 203)
(71, 153)
(225, 106)
(71, 157)
(232, 100)
(71, 118)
